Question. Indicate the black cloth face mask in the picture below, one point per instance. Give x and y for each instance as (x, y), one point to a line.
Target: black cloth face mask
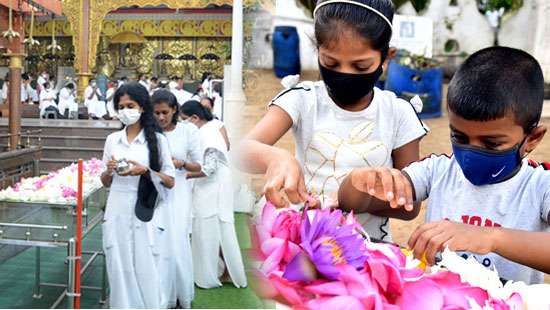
(346, 88)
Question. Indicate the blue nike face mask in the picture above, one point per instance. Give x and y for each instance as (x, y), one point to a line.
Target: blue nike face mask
(482, 166)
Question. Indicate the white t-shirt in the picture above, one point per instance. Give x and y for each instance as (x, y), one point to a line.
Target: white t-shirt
(95, 106)
(24, 93)
(521, 202)
(110, 101)
(330, 141)
(33, 94)
(144, 84)
(172, 85)
(185, 143)
(218, 104)
(182, 95)
(41, 80)
(47, 99)
(66, 101)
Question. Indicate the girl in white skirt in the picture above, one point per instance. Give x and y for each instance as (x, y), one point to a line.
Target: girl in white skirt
(184, 141)
(214, 237)
(135, 223)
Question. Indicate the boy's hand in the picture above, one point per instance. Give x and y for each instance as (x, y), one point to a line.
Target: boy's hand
(284, 175)
(385, 184)
(430, 238)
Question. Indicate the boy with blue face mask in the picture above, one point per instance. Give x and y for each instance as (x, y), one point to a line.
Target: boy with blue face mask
(486, 200)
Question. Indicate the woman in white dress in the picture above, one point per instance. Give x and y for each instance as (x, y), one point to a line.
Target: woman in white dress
(213, 222)
(92, 95)
(184, 141)
(208, 103)
(135, 226)
(110, 98)
(67, 102)
(47, 98)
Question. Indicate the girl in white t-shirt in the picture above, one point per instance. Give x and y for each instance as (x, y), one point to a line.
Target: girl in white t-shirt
(341, 122)
(208, 103)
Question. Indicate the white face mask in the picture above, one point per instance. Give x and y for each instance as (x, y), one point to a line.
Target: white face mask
(129, 116)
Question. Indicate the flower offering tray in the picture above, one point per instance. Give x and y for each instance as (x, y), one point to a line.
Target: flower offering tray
(48, 224)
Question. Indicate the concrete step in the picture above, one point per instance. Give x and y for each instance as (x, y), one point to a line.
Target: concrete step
(63, 131)
(71, 153)
(52, 140)
(63, 141)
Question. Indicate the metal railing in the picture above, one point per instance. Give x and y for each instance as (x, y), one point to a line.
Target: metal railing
(28, 134)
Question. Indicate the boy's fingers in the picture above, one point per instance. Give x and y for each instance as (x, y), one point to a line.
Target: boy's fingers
(423, 240)
(418, 231)
(436, 245)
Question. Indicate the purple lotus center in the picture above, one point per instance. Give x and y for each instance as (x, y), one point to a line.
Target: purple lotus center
(336, 251)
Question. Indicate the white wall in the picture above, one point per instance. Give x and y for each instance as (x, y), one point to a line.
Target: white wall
(470, 29)
(287, 13)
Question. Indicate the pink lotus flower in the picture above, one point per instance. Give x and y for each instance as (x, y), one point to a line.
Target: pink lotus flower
(277, 237)
(444, 290)
(353, 290)
(329, 264)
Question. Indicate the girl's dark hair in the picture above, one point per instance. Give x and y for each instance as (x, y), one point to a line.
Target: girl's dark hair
(139, 94)
(166, 96)
(205, 75)
(332, 20)
(193, 107)
(209, 100)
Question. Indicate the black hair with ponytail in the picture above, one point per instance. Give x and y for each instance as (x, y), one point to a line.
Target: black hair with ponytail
(193, 107)
(147, 193)
(139, 94)
(165, 96)
(210, 101)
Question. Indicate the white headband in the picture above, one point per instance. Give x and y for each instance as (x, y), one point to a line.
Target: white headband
(370, 8)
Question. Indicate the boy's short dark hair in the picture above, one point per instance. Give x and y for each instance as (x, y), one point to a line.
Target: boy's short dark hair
(495, 81)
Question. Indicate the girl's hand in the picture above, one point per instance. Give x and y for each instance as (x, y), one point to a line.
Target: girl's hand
(385, 184)
(137, 169)
(178, 163)
(111, 166)
(284, 177)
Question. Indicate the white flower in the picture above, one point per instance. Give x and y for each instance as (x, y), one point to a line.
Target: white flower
(471, 271)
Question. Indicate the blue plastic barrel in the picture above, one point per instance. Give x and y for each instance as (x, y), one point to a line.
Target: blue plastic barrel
(406, 82)
(286, 51)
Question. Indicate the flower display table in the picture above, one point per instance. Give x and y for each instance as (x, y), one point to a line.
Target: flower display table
(41, 212)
